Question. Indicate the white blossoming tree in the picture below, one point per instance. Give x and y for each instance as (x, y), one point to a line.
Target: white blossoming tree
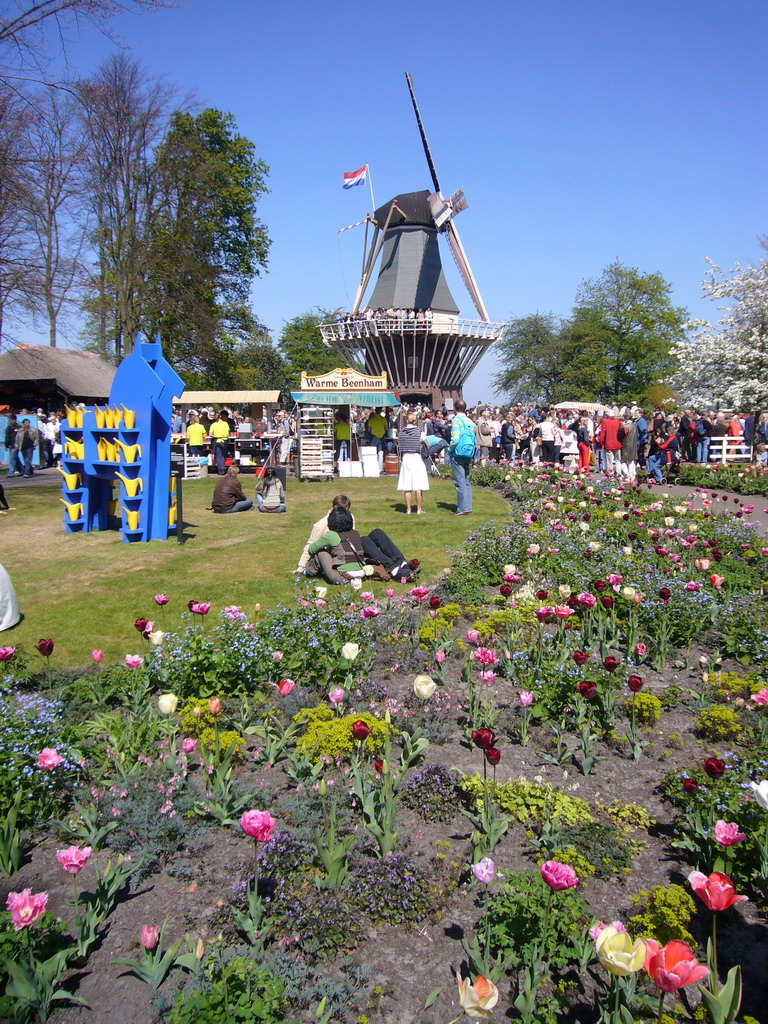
(727, 363)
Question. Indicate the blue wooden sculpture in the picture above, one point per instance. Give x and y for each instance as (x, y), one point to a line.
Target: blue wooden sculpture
(128, 441)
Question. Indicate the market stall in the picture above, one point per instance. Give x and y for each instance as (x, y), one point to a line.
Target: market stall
(319, 398)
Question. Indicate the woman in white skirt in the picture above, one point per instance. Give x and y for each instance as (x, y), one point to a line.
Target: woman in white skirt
(413, 472)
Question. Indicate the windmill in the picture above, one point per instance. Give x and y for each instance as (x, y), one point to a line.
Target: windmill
(424, 357)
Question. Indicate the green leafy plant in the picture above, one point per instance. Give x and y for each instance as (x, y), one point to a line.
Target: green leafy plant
(236, 990)
(327, 735)
(663, 913)
(717, 723)
(529, 802)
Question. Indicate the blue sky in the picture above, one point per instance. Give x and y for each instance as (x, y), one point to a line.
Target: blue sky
(582, 132)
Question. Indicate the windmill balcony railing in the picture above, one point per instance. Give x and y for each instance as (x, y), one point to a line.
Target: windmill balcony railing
(347, 330)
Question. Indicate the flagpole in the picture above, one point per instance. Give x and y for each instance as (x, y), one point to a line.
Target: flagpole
(370, 184)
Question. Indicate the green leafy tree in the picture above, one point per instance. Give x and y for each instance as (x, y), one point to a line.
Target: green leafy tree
(303, 348)
(207, 242)
(631, 315)
(530, 357)
(258, 365)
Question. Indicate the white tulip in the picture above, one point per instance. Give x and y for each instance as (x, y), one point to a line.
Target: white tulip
(424, 687)
(168, 703)
(350, 651)
(760, 793)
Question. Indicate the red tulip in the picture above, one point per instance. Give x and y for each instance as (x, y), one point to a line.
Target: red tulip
(610, 664)
(505, 590)
(361, 730)
(434, 602)
(542, 595)
(484, 738)
(378, 764)
(580, 657)
(599, 585)
(714, 767)
(690, 785)
(716, 891)
(635, 683)
(665, 593)
(606, 601)
(140, 625)
(45, 647)
(673, 966)
(414, 564)
(587, 689)
(492, 755)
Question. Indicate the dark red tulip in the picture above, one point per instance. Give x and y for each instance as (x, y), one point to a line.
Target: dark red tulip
(599, 585)
(573, 601)
(360, 730)
(434, 602)
(45, 647)
(713, 767)
(606, 601)
(414, 563)
(690, 785)
(631, 536)
(610, 664)
(587, 689)
(717, 556)
(492, 755)
(580, 657)
(542, 595)
(635, 683)
(378, 764)
(484, 738)
(140, 624)
(505, 590)
(665, 593)
(191, 603)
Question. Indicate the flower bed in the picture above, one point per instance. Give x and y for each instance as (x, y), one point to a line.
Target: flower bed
(365, 808)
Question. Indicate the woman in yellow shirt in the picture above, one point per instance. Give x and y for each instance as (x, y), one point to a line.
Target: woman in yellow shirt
(195, 435)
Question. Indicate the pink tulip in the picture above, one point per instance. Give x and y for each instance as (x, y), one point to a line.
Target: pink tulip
(487, 676)
(49, 758)
(439, 657)
(600, 927)
(486, 656)
(727, 833)
(472, 636)
(337, 695)
(149, 936)
(161, 599)
(558, 876)
(390, 592)
(133, 661)
(74, 859)
(233, 612)
(484, 871)
(200, 607)
(716, 891)
(562, 611)
(97, 655)
(258, 824)
(25, 907)
(6, 653)
(188, 744)
(419, 593)
(761, 697)
(285, 686)
(277, 657)
(640, 650)
(526, 698)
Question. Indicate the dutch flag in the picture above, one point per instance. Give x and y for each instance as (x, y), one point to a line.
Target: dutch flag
(352, 178)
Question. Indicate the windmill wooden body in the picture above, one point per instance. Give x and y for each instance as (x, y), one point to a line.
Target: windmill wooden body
(411, 328)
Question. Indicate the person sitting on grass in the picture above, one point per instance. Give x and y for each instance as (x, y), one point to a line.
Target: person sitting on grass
(228, 496)
(270, 493)
(338, 554)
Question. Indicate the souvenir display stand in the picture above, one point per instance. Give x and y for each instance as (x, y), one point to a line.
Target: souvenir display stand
(319, 397)
(125, 447)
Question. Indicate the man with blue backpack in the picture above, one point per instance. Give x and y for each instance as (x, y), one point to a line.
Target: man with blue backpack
(462, 449)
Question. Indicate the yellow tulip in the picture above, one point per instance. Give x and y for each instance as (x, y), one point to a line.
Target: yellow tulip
(479, 999)
(618, 953)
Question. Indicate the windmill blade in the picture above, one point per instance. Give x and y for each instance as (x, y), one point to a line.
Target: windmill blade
(423, 134)
(465, 270)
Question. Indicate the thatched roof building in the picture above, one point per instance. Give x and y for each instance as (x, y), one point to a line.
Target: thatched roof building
(37, 375)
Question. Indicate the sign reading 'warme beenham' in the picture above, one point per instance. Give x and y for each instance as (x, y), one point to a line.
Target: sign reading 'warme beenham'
(343, 380)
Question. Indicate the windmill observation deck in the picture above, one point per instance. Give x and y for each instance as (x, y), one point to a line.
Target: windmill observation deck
(432, 357)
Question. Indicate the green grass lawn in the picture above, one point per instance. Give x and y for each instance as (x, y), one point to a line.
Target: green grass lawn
(85, 590)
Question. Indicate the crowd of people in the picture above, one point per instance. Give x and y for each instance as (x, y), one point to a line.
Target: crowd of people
(384, 320)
